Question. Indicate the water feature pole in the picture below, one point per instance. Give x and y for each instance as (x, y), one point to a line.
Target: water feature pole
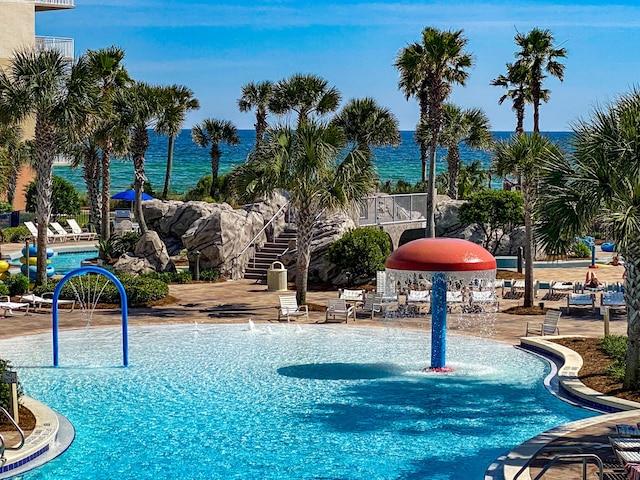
(438, 321)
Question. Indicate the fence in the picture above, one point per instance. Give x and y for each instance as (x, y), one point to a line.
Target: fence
(389, 209)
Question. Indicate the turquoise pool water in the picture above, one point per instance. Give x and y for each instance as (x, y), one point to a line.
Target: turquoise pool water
(64, 262)
(283, 402)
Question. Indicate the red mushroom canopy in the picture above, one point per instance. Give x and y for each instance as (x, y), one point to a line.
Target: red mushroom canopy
(441, 255)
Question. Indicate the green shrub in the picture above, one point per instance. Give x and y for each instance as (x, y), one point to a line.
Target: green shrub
(125, 243)
(209, 275)
(64, 199)
(5, 389)
(580, 250)
(616, 347)
(4, 290)
(170, 277)
(16, 234)
(6, 207)
(18, 284)
(361, 251)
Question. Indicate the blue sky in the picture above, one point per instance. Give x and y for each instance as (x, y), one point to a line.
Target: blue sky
(215, 48)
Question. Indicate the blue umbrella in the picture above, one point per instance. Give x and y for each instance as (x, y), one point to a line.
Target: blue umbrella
(130, 196)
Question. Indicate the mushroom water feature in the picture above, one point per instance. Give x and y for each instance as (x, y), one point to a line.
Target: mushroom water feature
(449, 264)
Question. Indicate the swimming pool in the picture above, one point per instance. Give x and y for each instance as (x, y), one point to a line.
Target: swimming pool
(283, 402)
(65, 260)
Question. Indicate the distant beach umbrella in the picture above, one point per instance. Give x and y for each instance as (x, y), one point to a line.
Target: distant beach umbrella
(130, 196)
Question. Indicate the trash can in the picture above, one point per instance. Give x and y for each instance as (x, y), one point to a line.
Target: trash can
(277, 277)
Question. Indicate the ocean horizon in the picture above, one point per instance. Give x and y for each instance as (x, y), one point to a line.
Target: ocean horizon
(192, 162)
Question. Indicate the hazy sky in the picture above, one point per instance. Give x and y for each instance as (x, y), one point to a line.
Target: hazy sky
(216, 47)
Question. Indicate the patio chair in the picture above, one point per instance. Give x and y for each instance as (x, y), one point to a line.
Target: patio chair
(46, 300)
(33, 230)
(561, 288)
(612, 299)
(454, 298)
(419, 296)
(352, 296)
(479, 300)
(372, 304)
(338, 308)
(289, 308)
(62, 232)
(548, 327)
(581, 300)
(6, 305)
(76, 230)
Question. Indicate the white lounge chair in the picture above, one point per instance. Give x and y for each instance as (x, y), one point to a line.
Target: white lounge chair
(581, 300)
(561, 288)
(59, 229)
(289, 308)
(612, 299)
(372, 304)
(419, 296)
(548, 327)
(338, 308)
(76, 230)
(46, 300)
(479, 300)
(352, 296)
(52, 237)
(8, 306)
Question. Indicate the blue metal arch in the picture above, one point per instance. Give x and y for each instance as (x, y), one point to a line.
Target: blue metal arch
(123, 306)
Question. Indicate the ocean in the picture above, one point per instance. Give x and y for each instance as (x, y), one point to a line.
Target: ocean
(192, 162)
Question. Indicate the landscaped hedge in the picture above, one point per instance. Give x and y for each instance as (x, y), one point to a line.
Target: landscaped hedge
(15, 234)
(18, 284)
(4, 290)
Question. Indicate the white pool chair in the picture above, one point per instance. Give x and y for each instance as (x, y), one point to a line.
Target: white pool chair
(548, 327)
(289, 308)
(338, 309)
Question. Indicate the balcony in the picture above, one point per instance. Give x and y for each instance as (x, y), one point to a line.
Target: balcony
(63, 45)
(44, 5)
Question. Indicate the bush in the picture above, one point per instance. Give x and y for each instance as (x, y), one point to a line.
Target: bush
(6, 207)
(209, 275)
(361, 251)
(16, 234)
(170, 277)
(5, 389)
(580, 250)
(18, 284)
(64, 199)
(616, 347)
(4, 290)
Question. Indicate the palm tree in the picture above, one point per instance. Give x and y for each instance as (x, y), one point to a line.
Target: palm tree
(110, 76)
(367, 124)
(522, 155)
(138, 109)
(600, 184)
(213, 131)
(178, 100)
(18, 153)
(86, 154)
(311, 164)
(515, 81)
(304, 94)
(427, 71)
(538, 54)
(57, 94)
(258, 96)
(470, 127)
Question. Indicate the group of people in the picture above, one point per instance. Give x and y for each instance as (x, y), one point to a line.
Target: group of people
(591, 281)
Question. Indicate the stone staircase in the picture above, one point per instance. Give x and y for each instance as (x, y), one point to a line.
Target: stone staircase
(270, 252)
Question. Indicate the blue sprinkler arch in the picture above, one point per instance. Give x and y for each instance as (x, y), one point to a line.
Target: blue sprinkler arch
(123, 306)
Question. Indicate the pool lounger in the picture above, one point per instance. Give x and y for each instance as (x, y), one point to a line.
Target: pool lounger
(8, 306)
(39, 302)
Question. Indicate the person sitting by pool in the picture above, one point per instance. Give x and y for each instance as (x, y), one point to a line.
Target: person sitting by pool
(615, 261)
(591, 281)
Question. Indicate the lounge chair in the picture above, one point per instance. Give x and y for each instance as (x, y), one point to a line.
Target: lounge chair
(613, 300)
(33, 230)
(76, 230)
(454, 298)
(338, 308)
(352, 296)
(561, 288)
(59, 229)
(289, 308)
(581, 300)
(372, 304)
(46, 300)
(548, 327)
(479, 300)
(419, 296)
(8, 306)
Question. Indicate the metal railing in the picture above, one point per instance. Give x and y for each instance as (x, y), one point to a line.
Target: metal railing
(390, 209)
(3, 445)
(252, 242)
(584, 457)
(55, 3)
(63, 45)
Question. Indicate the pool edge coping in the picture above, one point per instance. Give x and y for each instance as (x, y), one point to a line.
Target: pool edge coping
(570, 383)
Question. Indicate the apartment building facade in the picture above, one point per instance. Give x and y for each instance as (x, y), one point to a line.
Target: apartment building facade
(18, 31)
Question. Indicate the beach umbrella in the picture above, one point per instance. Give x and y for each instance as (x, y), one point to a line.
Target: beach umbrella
(130, 196)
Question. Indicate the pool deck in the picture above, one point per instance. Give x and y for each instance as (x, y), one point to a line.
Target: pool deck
(239, 301)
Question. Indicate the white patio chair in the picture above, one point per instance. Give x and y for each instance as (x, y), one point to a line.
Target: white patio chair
(548, 327)
(289, 308)
(7, 306)
(76, 230)
(59, 229)
(581, 300)
(479, 300)
(338, 308)
(372, 304)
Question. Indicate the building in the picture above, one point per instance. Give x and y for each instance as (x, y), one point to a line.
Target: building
(18, 31)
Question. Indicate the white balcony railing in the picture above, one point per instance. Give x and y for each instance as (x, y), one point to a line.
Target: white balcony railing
(63, 45)
(53, 4)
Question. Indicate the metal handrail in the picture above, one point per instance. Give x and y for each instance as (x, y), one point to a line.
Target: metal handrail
(583, 456)
(3, 445)
(253, 240)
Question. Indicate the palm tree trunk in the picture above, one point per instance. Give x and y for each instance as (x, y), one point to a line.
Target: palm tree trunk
(215, 166)
(453, 161)
(520, 118)
(105, 228)
(167, 176)
(632, 299)
(139, 146)
(527, 195)
(261, 126)
(13, 181)
(45, 152)
(535, 93)
(304, 220)
(91, 176)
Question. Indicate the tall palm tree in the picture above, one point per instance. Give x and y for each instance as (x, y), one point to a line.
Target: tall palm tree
(304, 94)
(177, 101)
(43, 85)
(600, 184)
(310, 163)
(213, 131)
(515, 81)
(428, 71)
(470, 127)
(523, 155)
(537, 55)
(110, 76)
(86, 154)
(138, 109)
(367, 124)
(258, 96)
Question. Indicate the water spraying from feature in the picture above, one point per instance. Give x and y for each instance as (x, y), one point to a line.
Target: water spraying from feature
(451, 267)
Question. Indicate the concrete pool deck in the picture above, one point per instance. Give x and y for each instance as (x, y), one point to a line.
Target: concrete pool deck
(239, 301)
